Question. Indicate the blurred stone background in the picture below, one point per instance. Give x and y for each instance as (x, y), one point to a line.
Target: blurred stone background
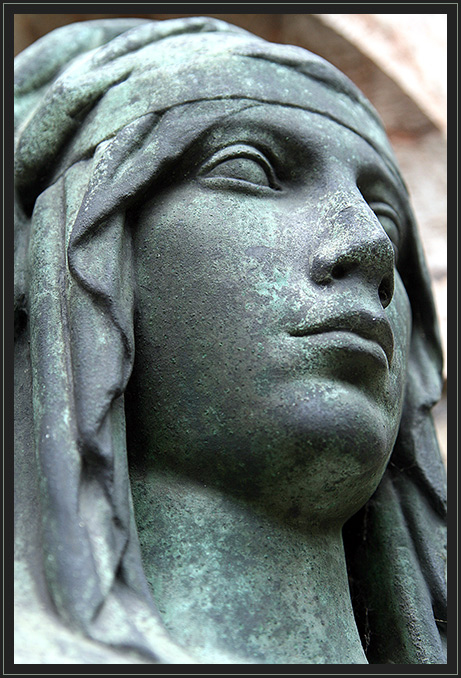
(399, 61)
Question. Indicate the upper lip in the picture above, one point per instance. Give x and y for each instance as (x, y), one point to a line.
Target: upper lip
(365, 324)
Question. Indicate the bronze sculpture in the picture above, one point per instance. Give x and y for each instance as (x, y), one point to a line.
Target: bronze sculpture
(233, 210)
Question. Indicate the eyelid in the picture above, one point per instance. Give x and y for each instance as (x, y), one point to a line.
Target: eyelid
(383, 209)
(241, 151)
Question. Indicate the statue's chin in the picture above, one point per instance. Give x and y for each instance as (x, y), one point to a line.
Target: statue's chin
(312, 457)
(337, 443)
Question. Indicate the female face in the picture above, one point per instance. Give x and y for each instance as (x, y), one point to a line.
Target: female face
(272, 327)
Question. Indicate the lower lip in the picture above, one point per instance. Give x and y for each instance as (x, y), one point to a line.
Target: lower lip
(348, 342)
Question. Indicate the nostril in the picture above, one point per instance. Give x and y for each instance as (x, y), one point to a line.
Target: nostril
(383, 295)
(338, 271)
(385, 292)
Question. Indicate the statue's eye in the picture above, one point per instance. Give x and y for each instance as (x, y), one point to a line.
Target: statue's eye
(389, 220)
(239, 166)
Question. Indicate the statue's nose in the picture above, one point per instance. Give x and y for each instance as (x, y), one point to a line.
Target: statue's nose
(358, 248)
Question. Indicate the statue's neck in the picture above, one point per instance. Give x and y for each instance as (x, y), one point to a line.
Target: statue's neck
(233, 586)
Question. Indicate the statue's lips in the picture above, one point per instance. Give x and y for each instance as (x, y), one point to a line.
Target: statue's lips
(362, 324)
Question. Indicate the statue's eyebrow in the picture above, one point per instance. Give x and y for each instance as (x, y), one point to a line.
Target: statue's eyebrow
(284, 146)
(386, 158)
(281, 145)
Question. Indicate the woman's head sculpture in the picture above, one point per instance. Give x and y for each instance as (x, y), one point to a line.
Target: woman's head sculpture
(219, 277)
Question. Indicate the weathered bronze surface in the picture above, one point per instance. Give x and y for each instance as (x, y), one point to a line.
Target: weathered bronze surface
(226, 356)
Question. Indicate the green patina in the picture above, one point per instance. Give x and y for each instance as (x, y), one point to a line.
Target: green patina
(218, 355)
